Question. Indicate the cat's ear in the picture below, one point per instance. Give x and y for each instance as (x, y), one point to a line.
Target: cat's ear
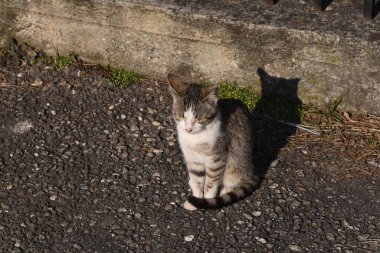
(209, 96)
(176, 85)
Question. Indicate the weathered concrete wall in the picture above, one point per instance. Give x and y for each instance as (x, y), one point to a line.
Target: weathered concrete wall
(166, 36)
(7, 17)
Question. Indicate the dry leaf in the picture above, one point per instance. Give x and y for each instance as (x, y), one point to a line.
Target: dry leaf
(37, 83)
(347, 116)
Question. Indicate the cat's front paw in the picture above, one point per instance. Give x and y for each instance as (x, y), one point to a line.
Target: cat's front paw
(188, 206)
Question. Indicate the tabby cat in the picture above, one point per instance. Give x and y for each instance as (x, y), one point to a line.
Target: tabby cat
(217, 143)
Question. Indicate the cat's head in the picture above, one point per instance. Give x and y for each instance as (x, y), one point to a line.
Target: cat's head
(194, 106)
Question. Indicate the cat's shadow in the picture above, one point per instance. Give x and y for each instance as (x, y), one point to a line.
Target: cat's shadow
(279, 102)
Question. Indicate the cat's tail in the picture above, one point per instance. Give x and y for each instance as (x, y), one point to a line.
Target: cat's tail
(223, 200)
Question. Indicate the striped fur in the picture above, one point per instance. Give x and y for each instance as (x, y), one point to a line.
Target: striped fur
(224, 199)
(217, 143)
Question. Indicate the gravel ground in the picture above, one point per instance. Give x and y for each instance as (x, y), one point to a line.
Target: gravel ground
(88, 167)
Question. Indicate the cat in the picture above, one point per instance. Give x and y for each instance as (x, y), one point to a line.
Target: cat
(216, 139)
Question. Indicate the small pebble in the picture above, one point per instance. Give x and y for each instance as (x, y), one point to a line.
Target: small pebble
(141, 200)
(295, 204)
(262, 240)
(294, 247)
(15, 239)
(168, 207)
(330, 237)
(274, 163)
(220, 215)
(20, 194)
(273, 186)
(189, 238)
(256, 213)
(22, 127)
(133, 128)
(247, 216)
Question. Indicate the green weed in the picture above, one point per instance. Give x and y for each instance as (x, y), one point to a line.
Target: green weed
(123, 78)
(63, 62)
(59, 62)
(43, 59)
(330, 113)
(373, 141)
(226, 90)
(276, 107)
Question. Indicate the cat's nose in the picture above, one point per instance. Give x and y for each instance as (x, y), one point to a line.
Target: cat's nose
(189, 130)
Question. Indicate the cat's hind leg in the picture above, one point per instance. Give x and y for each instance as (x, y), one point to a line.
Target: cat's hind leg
(226, 189)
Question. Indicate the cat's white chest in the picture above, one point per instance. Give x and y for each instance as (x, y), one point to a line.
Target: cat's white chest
(192, 144)
(188, 140)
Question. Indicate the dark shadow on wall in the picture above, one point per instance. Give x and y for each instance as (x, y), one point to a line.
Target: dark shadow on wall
(279, 102)
(376, 9)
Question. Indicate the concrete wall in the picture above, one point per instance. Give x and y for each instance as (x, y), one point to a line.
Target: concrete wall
(166, 36)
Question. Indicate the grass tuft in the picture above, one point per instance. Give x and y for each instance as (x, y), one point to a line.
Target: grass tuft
(277, 107)
(43, 59)
(63, 62)
(123, 78)
(59, 62)
(372, 141)
(226, 90)
(329, 115)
